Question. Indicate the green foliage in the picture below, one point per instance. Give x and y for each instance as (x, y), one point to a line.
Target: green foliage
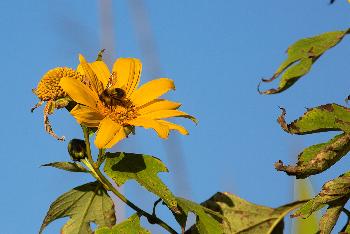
(241, 216)
(301, 56)
(335, 194)
(67, 166)
(330, 117)
(206, 224)
(122, 167)
(130, 226)
(84, 204)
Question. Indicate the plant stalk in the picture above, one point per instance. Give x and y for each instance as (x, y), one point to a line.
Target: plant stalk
(95, 171)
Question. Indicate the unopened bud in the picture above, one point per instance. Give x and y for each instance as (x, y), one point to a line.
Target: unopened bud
(77, 149)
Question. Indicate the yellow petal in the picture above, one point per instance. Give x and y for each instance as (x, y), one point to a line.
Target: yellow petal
(101, 71)
(173, 126)
(85, 69)
(163, 114)
(117, 137)
(87, 116)
(162, 130)
(79, 92)
(152, 90)
(127, 72)
(106, 131)
(158, 104)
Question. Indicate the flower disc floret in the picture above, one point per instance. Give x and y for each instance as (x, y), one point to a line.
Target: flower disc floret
(49, 88)
(119, 113)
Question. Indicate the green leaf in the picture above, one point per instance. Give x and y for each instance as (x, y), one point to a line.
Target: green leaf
(84, 204)
(242, 216)
(324, 118)
(301, 56)
(335, 194)
(130, 226)
(122, 167)
(206, 224)
(317, 158)
(67, 166)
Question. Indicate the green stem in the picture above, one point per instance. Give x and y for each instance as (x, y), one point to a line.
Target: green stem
(100, 158)
(95, 171)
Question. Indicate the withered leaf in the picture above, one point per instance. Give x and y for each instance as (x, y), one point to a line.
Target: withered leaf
(335, 194)
(317, 158)
(324, 118)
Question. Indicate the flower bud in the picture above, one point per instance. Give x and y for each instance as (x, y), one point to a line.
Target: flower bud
(77, 149)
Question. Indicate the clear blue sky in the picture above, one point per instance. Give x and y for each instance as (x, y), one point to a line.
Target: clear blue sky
(216, 53)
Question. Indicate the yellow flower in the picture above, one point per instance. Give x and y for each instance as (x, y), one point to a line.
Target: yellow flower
(49, 91)
(114, 104)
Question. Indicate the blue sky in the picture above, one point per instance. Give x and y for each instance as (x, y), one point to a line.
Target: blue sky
(215, 53)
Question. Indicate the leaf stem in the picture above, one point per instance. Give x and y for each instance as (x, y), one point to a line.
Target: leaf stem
(154, 206)
(100, 158)
(95, 171)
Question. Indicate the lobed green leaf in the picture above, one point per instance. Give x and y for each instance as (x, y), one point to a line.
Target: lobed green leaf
(67, 166)
(130, 226)
(122, 167)
(301, 56)
(84, 204)
(241, 216)
(317, 158)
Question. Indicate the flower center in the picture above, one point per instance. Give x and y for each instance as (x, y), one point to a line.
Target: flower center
(49, 88)
(120, 113)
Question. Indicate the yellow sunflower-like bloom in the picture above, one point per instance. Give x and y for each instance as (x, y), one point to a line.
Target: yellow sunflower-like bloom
(50, 91)
(114, 103)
